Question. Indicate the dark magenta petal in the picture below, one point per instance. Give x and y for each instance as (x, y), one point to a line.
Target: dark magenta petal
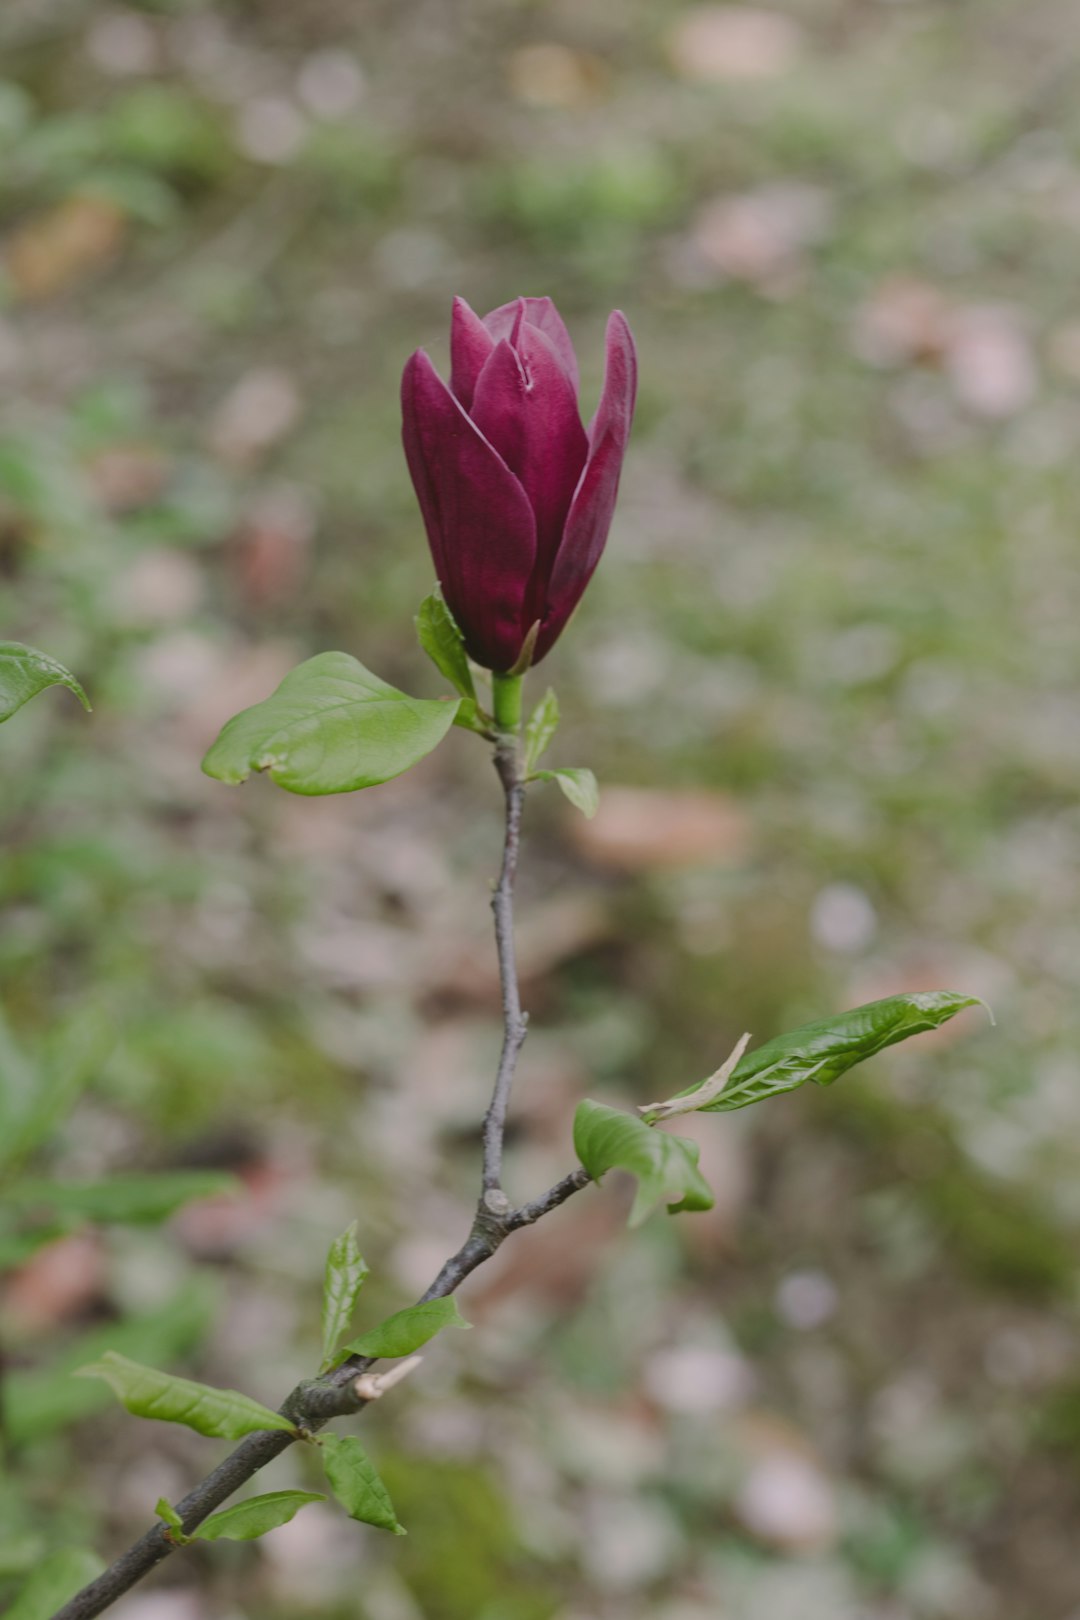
(541, 313)
(591, 510)
(525, 406)
(479, 523)
(470, 345)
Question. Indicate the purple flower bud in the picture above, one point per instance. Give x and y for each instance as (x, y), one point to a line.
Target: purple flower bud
(517, 497)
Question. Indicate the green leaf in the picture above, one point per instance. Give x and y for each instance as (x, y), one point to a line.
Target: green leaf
(579, 786)
(124, 1198)
(253, 1518)
(356, 1484)
(666, 1166)
(24, 672)
(331, 727)
(224, 1414)
(57, 1578)
(541, 727)
(444, 644)
(345, 1274)
(166, 1511)
(407, 1330)
(823, 1051)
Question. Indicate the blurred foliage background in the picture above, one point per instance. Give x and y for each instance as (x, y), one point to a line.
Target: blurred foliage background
(826, 675)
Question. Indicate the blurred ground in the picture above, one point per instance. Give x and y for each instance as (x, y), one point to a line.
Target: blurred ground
(839, 608)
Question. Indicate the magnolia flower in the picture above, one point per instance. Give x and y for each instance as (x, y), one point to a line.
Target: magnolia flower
(517, 496)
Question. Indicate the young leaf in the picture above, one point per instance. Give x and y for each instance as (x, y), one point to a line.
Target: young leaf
(356, 1484)
(579, 786)
(541, 727)
(666, 1166)
(125, 1198)
(224, 1414)
(166, 1511)
(345, 1274)
(331, 727)
(407, 1330)
(823, 1051)
(24, 672)
(57, 1578)
(444, 644)
(253, 1518)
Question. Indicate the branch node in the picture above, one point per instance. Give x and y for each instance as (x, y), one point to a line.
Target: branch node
(497, 1203)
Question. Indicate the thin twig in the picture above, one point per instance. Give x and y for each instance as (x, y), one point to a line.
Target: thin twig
(312, 1404)
(515, 1022)
(562, 1190)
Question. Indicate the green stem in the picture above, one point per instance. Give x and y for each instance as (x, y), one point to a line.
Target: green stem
(506, 692)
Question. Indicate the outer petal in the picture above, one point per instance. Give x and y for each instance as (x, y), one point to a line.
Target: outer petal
(470, 345)
(525, 406)
(541, 313)
(591, 510)
(479, 522)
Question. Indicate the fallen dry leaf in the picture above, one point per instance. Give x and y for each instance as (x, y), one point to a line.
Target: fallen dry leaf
(989, 361)
(257, 414)
(58, 1283)
(982, 348)
(270, 547)
(330, 84)
(638, 829)
(160, 587)
(761, 236)
(123, 44)
(222, 1224)
(270, 129)
(53, 251)
(698, 1379)
(903, 320)
(551, 75)
(630, 1541)
(787, 1501)
(714, 44)
(128, 476)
